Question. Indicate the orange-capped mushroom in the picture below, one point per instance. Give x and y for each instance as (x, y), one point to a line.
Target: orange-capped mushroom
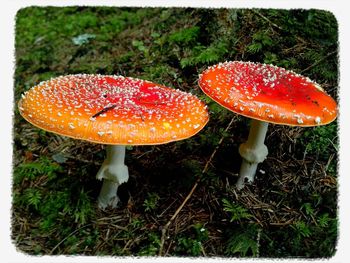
(116, 111)
(267, 94)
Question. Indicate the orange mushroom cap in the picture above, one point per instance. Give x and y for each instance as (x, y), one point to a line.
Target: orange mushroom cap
(268, 93)
(113, 110)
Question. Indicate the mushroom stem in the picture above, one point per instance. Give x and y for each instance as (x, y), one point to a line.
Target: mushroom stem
(253, 151)
(114, 172)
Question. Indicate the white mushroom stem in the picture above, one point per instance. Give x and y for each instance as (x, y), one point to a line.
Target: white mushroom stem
(113, 172)
(253, 151)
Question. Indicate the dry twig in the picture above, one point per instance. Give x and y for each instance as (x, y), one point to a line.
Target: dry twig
(64, 239)
(268, 20)
(319, 61)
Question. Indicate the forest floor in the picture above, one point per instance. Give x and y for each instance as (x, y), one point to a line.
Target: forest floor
(289, 211)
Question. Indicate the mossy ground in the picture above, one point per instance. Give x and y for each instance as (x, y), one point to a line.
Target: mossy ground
(289, 211)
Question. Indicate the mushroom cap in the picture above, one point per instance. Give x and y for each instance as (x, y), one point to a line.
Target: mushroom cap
(111, 109)
(268, 93)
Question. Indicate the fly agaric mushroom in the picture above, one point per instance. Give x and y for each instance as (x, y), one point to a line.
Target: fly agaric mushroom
(116, 111)
(266, 94)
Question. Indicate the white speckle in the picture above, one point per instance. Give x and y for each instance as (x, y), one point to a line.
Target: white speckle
(71, 125)
(300, 120)
(100, 133)
(152, 129)
(196, 126)
(59, 114)
(318, 87)
(318, 120)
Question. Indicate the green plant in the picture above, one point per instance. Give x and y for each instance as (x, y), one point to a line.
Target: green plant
(53, 209)
(153, 243)
(242, 238)
(83, 208)
(260, 40)
(324, 220)
(301, 229)
(137, 223)
(200, 55)
(321, 140)
(304, 239)
(141, 47)
(243, 242)
(188, 246)
(322, 143)
(185, 36)
(31, 170)
(237, 212)
(151, 202)
(192, 243)
(32, 197)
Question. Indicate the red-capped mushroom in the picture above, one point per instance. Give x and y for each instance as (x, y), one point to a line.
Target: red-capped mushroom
(267, 94)
(116, 111)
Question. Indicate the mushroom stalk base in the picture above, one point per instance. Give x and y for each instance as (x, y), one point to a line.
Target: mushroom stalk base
(253, 151)
(113, 172)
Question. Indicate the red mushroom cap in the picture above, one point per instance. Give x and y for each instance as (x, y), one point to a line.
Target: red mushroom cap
(268, 93)
(113, 110)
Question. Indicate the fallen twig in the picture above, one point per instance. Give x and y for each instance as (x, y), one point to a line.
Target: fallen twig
(268, 20)
(166, 227)
(318, 61)
(64, 239)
